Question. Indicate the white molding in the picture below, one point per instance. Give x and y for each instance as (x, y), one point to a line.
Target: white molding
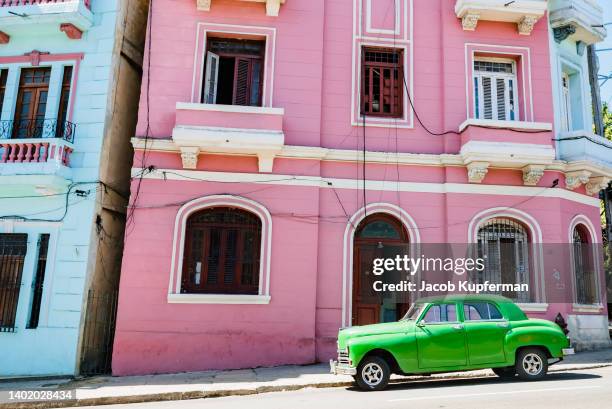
(593, 308)
(204, 202)
(507, 154)
(51, 13)
(536, 239)
(218, 299)
(525, 13)
(595, 239)
(193, 140)
(348, 246)
(379, 185)
(489, 123)
(242, 109)
(268, 32)
(494, 49)
(533, 307)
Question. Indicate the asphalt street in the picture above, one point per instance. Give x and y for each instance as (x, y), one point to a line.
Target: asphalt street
(569, 390)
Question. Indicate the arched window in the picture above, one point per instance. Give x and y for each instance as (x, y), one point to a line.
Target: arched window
(504, 244)
(584, 271)
(222, 252)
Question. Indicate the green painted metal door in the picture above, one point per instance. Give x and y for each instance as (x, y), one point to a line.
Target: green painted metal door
(486, 330)
(485, 341)
(441, 338)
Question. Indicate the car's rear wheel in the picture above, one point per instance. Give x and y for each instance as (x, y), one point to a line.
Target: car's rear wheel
(507, 372)
(531, 364)
(373, 374)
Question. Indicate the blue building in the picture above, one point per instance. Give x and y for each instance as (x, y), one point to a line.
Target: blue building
(575, 27)
(69, 87)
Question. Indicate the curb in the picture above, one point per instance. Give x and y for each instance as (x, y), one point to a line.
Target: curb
(189, 395)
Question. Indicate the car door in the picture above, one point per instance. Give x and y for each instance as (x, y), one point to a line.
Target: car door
(485, 329)
(440, 337)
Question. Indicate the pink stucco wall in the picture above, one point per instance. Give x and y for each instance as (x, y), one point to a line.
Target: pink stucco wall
(313, 83)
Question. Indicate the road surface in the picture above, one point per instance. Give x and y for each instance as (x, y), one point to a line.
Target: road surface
(567, 390)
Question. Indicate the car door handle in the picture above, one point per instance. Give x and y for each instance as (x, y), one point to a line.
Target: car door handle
(502, 324)
(458, 326)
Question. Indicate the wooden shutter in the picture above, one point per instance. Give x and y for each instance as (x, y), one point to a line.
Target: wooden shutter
(13, 249)
(211, 79)
(242, 81)
(501, 99)
(487, 97)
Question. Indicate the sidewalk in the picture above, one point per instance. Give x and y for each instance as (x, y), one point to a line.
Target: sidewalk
(105, 390)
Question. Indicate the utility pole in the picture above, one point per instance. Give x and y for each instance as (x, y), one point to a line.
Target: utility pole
(595, 93)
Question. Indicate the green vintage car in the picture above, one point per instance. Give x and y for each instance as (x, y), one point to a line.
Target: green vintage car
(448, 334)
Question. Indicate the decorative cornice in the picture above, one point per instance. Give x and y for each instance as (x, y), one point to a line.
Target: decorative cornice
(525, 26)
(189, 156)
(71, 31)
(203, 5)
(597, 184)
(477, 171)
(574, 179)
(532, 174)
(561, 33)
(272, 6)
(470, 21)
(4, 38)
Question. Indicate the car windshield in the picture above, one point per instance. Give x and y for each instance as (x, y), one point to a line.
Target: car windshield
(414, 312)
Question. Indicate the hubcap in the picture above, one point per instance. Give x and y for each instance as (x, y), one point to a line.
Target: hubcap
(532, 364)
(372, 374)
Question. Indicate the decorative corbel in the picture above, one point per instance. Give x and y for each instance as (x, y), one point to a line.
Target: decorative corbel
(4, 38)
(71, 31)
(561, 33)
(272, 7)
(203, 5)
(470, 21)
(189, 156)
(532, 174)
(525, 26)
(596, 184)
(477, 171)
(577, 178)
(266, 161)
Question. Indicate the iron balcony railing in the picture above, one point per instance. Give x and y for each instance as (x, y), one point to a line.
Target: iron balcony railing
(16, 3)
(37, 128)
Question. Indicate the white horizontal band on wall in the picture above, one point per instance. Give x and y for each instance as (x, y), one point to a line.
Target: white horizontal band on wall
(377, 185)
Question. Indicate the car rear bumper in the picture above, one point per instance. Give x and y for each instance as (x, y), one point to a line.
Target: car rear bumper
(341, 369)
(567, 351)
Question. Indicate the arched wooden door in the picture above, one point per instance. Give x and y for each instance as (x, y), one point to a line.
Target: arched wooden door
(377, 236)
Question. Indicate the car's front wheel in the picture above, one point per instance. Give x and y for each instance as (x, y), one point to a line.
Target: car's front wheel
(373, 374)
(531, 364)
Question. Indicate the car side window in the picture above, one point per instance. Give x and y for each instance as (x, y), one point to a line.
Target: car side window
(481, 311)
(441, 313)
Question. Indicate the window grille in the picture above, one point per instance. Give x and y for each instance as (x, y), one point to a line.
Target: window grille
(13, 248)
(382, 82)
(586, 281)
(504, 245)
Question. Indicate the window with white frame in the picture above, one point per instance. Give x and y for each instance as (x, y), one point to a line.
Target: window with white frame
(495, 89)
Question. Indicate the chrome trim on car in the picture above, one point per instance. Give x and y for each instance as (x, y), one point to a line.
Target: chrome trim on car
(341, 369)
(568, 351)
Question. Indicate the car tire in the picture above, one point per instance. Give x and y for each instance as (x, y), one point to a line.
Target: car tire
(531, 364)
(507, 372)
(373, 374)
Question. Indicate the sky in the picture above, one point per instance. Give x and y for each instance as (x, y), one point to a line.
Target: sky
(605, 57)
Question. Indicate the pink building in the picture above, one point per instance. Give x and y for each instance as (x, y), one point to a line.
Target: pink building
(281, 142)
